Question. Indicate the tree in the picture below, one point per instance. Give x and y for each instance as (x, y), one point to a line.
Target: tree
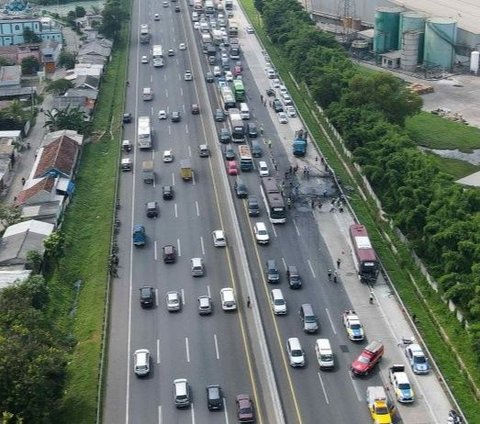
(10, 213)
(66, 59)
(80, 11)
(54, 246)
(66, 119)
(30, 37)
(30, 65)
(16, 111)
(113, 16)
(34, 261)
(59, 86)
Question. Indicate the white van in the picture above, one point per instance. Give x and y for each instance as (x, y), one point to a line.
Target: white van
(278, 302)
(244, 111)
(197, 267)
(324, 353)
(228, 299)
(263, 169)
(147, 94)
(296, 356)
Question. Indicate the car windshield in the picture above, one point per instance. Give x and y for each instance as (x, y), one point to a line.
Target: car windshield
(279, 302)
(355, 326)
(363, 359)
(404, 386)
(381, 410)
(419, 359)
(296, 353)
(310, 319)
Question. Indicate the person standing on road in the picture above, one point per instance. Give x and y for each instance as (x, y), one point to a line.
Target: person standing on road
(371, 298)
(269, 143)
(249, 303)
(329, 273)
(339, 261)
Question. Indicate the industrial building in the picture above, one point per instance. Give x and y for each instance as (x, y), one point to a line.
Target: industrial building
(407, 34)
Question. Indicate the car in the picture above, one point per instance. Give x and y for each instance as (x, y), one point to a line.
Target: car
(278, 302)
(227, 297)
(182, 46)
(219, 239)
(240, 189)
(232, 168)
(282, 118)
(162, 114)
(239, 64)
(287, 100)
(204, 305)
(219, 115)
(217, 71)
(353, 326)
(275, 83)
(147, 296)
(195, 109)
(273, 276)
(144, 59)
(229, 153)
(250, 30)
(165, 4)
(197, 268)
(270, 73)
(214, 397)
(224, 135)
(270, 92)
(261, 233)
(277, 105)
(296, 356)
(188, 76)
(169, 254)
(401, 384)
(196, 25)
(181, 393)
(253, 206)
(139, 236)
(152, 209)
(283, 89)
(171, 52)
(212, 60)
(174, 301)
(245, 410)
(293, 277)
(203, 151)
(167, 156)
(177, 9)
(209, 77)
(127, 118)
(237, 71)
(228, 76)
(141, 362)
(290, 111)
(167, 192)
(368, 358)
(263, 169)
(417, 359)
(156, 17)
(175, 116)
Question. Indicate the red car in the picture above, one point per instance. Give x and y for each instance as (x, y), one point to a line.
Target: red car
(237, 71)
(369, 357)
(245, 412)
(232, 167)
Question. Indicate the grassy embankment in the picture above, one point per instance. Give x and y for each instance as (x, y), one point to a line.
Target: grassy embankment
(88, 231)
(432, 314)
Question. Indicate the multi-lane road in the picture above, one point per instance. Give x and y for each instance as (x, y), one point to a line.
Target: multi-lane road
(215, 349)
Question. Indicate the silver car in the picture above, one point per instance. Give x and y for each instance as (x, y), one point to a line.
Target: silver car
(174, 301)
(204, 305)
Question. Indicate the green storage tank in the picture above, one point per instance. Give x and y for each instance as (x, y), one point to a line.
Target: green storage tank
(387, 20)
(440, 37)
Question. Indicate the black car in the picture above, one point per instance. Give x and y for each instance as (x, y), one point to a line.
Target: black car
(169, 254)
(229, 153)
(277, 105)
(293, 277)
(127, 118)
(167, 192)
(152, 209)
(252, 130)
(240, 189)
(224, 136)
(176, 117)
(270, 92)
(177, 9)
(252, 206)
(219, 115)
(147, 296)
(209, 77)
(214, 397)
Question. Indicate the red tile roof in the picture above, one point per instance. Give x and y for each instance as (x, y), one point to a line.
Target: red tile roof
(45, 184)
(60, 155)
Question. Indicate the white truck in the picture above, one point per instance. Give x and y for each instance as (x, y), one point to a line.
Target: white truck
(144, 133)
(157, 56)
(145, 34)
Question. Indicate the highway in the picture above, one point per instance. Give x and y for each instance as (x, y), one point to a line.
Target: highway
(215, 349)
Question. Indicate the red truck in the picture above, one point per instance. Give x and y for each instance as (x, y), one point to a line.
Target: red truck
(369, 357)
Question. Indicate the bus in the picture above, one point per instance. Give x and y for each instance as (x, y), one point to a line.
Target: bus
(239, 90)
(228, 98)
(366, 259)
(246, 161)
(273, 199)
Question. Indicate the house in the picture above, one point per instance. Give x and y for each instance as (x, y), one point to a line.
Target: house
(94, 69)
(62, 102)
(12, 27)
(49, 52)
(7, 158)
(19, 239)
(10, 83)
(90, 94)
(50, 212)
(96, 48)
(91, 59)
(39, 190)
(87, 81)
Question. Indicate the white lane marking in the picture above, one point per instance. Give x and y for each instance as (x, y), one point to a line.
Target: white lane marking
(284, 263)
(183, 296)
(208, 292)
(189, 151)
(274, 231)
(311, 268)
(179, 248)
(153, 155)
(155, 250)
(296, 228)
(159, 414)
(197, 208)
(181, 91)
(187, 349)
(186, 129)
(151, 78)
(203, 245)
(158, 351)
(323, 388)
(357, 392)
(173, 179)
(151, 113)
(331, 321)
(169, 130)
(217, 352)
(176, 210)
(193, 178)
(225, 410)
(193, 414)
(166, 94)
(156, 297)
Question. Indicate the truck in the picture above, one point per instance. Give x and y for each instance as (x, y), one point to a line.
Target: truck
(228, 4)
(370, 356)
(232, 28)
(217, 36)
(237, 124)
(380, 405)
(234, 51)
(206, 42)
(246, 161)
(186, 169)
(148, 174)
(145, 34)
(234, 113)
(144, 132)
(300, 143)
(157, 56)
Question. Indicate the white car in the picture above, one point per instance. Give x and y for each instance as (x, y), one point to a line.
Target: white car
(182, 46)
(261, 233)
(162, 114)
(219, 239)
(228, 76)
(173, 300)
(156, 17)
(171, 53)
(417, 359)
(290, 111)
(165, 4)
(228, 299)
(275, 83)
(283, 89)
(141, 362)
(263, 169)
(144, 59)
(188, 76)
(282, 118)
(250, 30)
(167, 156)
(217, 71)
(270, 73)
(287, 100)
(196, 25)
